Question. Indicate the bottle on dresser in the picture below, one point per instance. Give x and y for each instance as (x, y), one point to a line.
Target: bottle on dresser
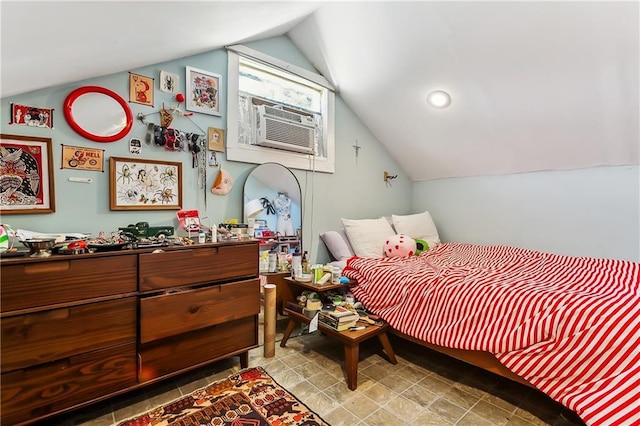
(305, 263)
(296, 264)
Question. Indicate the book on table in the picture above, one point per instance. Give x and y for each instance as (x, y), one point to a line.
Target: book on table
(324, 320)
(339, 312)
(332, 321)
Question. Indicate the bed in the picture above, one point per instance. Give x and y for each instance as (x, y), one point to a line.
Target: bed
(569, 326)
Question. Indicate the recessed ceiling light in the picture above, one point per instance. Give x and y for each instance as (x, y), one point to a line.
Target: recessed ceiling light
(439, 99)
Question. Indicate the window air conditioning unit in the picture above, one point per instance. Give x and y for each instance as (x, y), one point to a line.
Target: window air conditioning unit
(277, 128)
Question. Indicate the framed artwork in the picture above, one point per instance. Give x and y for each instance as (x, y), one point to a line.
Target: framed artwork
(216, 139)
(136, 184)
(140, 89)
(203, 91)
(80, 158)
(26, 115)
(26, 175)
(169, 82)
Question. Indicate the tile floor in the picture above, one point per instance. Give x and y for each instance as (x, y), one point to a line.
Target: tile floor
(424, 388)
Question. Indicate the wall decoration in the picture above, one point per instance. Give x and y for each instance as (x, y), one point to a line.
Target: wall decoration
(136, 184)
(223, 183)
(203, 91)
(26, 115)
(98, 114)
(26, 175)
(169, 82)
(216, 139)
(140, 89)
(213, 159)
(135, 146)
(80, 158)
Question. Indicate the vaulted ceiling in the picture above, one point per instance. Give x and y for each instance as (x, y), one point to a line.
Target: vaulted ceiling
(534, 85)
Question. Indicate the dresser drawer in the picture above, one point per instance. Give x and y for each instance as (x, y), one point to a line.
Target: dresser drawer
(28, 285)
(176, 313)
(45, 336)
(202, 346)
(35, 392)
(190, 266)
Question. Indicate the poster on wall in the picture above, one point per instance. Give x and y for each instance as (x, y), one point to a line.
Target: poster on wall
(140, 89)
(26, 115)
(80, 158)
(203, 91)
(26, 175)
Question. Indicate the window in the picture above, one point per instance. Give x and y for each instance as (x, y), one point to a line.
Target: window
(261, 86)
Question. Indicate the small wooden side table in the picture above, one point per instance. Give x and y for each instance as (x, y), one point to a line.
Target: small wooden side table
(350, 339)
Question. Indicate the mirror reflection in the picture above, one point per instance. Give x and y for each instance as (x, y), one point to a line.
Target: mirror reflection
(273, 207)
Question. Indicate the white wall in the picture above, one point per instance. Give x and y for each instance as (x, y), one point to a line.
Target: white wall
(356, 189)
(587, 212)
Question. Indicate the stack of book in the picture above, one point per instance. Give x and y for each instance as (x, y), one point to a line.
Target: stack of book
(339, 318)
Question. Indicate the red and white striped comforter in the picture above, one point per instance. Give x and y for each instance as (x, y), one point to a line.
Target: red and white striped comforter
(568, 325)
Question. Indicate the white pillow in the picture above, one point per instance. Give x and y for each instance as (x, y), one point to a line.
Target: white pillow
(338, 244)
(367, 236)
(417, 226)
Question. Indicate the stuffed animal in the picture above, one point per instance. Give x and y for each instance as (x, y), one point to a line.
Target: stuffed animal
(421, 245)
(400, 245)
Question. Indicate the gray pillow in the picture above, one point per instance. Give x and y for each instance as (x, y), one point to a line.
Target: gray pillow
(337, 244)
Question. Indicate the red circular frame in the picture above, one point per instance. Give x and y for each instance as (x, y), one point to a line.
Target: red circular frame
(68, 113)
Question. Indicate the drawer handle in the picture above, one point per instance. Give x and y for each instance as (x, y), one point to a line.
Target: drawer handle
(47, 267)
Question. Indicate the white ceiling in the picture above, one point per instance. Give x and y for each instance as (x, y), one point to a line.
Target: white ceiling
(535, 85)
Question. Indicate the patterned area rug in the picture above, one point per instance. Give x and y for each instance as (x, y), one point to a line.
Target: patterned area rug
(248, 398)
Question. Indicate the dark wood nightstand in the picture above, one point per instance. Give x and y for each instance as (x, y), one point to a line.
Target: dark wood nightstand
(350, 339)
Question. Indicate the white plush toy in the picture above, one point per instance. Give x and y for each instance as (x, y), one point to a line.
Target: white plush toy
(400, 245)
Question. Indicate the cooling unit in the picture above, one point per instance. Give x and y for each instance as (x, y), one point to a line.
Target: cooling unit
(277, 128)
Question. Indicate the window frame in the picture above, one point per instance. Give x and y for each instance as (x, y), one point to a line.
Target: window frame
(237, 151)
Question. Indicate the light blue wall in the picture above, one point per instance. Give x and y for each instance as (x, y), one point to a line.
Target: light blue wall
(356, 190)
(593, 212)
(587, 212)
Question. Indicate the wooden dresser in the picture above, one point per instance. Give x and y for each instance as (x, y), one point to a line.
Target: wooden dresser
(81, 328)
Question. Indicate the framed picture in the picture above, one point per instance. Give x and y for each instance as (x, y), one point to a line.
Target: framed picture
(80, 158)
(26, 175)
(136, 184)
(169, 82)
(203, 91)
(27, 115)
(216, 139)
(140, 89)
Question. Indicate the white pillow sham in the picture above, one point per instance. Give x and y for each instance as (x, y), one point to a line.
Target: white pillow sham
(367, 236)
(417, 226)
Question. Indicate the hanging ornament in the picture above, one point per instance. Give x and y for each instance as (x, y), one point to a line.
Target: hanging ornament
(166, 117)
(223, 183)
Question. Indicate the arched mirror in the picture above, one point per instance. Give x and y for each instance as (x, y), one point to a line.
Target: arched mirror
(98, 114)
(273, 206)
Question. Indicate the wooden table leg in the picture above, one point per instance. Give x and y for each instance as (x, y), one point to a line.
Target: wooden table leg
(351, 354)
(287, 332)
(244, 359)
(386, 345)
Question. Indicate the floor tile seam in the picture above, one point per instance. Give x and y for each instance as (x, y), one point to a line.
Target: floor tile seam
(418, 412)
(358, 417)
(469, 410)
(485, 399)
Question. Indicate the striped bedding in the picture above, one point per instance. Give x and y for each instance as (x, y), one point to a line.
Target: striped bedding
(568, 325)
